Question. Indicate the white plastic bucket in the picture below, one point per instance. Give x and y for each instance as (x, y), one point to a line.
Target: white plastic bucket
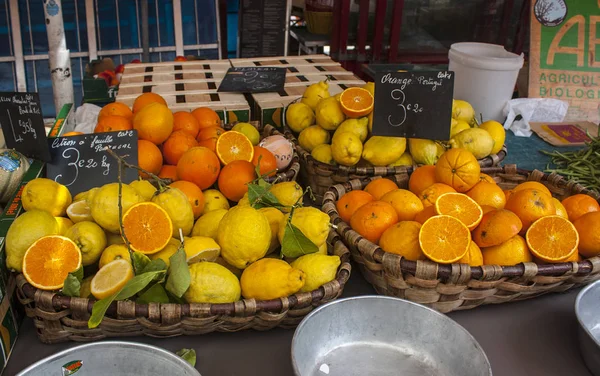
(485, 76)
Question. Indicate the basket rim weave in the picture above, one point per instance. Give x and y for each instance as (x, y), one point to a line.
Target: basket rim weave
(485, 272)
(240, 308)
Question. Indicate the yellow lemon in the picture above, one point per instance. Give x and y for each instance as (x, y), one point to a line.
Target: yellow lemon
(144, 188)
(329, 114)
(370, 87)
(244, 201)
(312, 137)
(168, 251)
(79, 211)
(359, 127)
(315, 93)
(346, 148)
(85, 290)
(425, 152)
(476, 140)
(208, 224)
(200, 248)
(237, 272)
(63, 224)
(458, 126)
(212, 283)
(381, 151)
(275, 216)
(405, 160)
(112, 253)
(288, 193)
(313, 223)
(214, 200)
(244, 235)
(318, 270)
(249, 131)
(462, 110)
(111, 278)
(113, 238)
(86, 195)
(24, 231)
(48, 195)
(496, 130)
(299, 116)
(90, 239)
(104, 206)
(370, 124)
(270, 278)
(322, 153)
(179, 209)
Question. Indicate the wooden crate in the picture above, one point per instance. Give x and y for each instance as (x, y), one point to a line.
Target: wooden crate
(285, 61)
(296, 79)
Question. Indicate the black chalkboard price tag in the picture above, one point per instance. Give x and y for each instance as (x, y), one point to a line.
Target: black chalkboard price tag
(23, 124)
(413, 104)
(81, 162)
(253, 80)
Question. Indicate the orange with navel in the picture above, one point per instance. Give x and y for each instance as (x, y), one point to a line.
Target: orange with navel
(146, 99)
(116, 109)
(200, 166)
(578, 205)
(350, 202)
(461, 207)
(422, 178)
(530, 205)
(149, 158)
(490, 194)
(444, 239)
(430, 195)
(459, 169)
(178, 143)
(113, 123)
(206, 117)
(268, 163)
(148, 227)
(379, 187)
(372, 219)
(552, 239)
(234, 179)
(194, 195)
(496, 227)
(185, 121)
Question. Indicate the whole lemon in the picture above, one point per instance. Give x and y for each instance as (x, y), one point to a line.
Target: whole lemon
(144, 188)
(318, 269)
(425, 152)
(249, 131)
(312, 137)
(244, 201)
(212, 283)
(208, 224)
(299, 116)
(113, 238)
(168, 251)
(381, 151)
(370, 125)
(346, 148)
(462, 110)
(458, 126)
(288, 193)
(90, 239)
(179, 209)
(329, 114)
(405, 160)
(24, 231)
(313, 223)
(322, 153)
(104, 206)
(112, 253)
(476, 140)
(315, 93)
(221, 261)
(496, 130)
(213, 200)
(359, 127)
(271, 278)
(244, 235)
(370, 87)
(63, 224)
(275, 216)
(48, 195)
(85, 195)
(85, 290)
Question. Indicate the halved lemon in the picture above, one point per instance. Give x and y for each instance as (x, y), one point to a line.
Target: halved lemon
(111, 278)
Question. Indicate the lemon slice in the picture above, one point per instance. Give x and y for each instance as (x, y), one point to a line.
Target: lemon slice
(111, 278)
(200, 248)
(79, 211)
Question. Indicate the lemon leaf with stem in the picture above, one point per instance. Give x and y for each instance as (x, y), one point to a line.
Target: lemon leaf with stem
(189, 355)
(154, 294)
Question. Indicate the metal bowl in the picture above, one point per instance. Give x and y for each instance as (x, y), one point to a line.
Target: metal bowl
(379, 336)
(114, 358)
(587, 306)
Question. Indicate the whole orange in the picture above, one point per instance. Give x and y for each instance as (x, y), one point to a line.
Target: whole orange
(268, 163)
(178, 143)
(530, 205)
(234, 179)
(578, 205)
(168, 172)
(185, 121)
(193, 193)
(154, 122)
(379, 187)
(350, 202)
(486, 177)
(210, 144)
(200, 166)
(406, 203)
(145, 99)
(149, 158)
(118, 109)
(113, 123)
(431, 194)
(532, 185)
(422, 178)
(208, 137)
(490, 194)
(206, 117)
(589, 237)
(496, 227)
(372, 219)
(459, 169)
(425, 214)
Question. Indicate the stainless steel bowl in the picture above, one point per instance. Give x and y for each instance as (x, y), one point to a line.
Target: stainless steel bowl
(379, 336)
(114, 358)
(587, 309)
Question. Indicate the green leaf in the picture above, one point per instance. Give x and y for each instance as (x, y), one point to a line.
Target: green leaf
(189, 355)
(154, 266)
(295, 243)
(132, 287)
(260, 197)
(140, 261)
(174, 299)
(78, 273)
(179, 274)
(155, 294)
(72, 286)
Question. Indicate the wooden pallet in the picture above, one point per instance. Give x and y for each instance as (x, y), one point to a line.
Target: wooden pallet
(286, 61)
(346, 78)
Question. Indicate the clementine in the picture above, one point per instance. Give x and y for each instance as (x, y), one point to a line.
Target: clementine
(200, 166)
(372, 219)
(350, 202)
(208, 137)
(149, 158)
(234, 179)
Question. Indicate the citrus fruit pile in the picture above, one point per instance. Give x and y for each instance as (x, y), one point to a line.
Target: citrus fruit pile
(453, 213)
(338, 131)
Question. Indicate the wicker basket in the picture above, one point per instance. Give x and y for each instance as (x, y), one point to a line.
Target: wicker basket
(60, 318)
(454, 287)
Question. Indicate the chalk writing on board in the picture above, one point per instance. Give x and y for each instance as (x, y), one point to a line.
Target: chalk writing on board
(253, 80)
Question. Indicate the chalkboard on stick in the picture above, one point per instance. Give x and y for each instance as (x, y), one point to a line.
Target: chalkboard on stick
(23, 124)
(81, 162)
(413, 104)
(253, 80)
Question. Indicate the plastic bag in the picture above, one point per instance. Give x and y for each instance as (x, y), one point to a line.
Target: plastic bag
(544, 110)
(86, 117)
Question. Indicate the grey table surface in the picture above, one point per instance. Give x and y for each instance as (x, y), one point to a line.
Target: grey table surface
(529, 338)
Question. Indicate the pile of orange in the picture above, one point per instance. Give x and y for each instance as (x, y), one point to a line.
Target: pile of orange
(451, 212)
(188, 146)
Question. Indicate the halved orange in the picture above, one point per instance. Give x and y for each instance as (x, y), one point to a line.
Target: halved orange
(461, 207)
(49, 260)
(234, 146)
(356, 102)
(148, 227)
(552, 238)
(444, 239)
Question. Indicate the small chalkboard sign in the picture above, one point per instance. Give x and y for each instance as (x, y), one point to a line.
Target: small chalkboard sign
(253, 80)
(413, 104)
(23, 124)
(81, 162)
